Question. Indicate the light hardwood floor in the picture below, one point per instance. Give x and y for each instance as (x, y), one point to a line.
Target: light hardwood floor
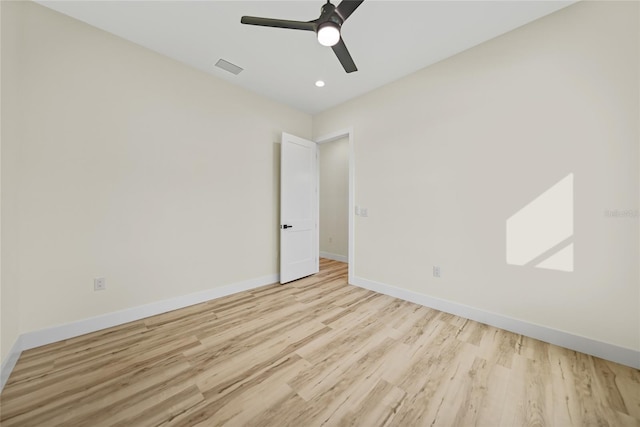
(316, 352)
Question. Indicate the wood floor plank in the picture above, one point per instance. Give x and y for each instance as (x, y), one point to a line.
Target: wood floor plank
(378, 408)
(314, 352)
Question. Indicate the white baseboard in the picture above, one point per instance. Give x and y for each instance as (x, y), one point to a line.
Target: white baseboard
(38, 338)
(334, 257)
(622, 355)
(10, 362)
(69, 330)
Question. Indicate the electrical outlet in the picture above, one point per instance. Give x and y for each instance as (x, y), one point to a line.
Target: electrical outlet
(436, 271)
(99, 284)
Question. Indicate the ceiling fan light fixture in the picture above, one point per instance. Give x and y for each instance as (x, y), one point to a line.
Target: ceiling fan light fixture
(328, 34)
(327, 28)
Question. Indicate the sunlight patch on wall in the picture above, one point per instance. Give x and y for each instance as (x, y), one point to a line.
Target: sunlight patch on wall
(541, 233)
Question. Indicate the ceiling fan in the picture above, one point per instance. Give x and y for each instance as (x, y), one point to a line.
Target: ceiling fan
(327, 27)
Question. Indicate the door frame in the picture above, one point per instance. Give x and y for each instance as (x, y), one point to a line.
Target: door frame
(330, 137)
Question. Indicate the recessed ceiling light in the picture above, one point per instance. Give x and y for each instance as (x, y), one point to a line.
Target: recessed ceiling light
(320, 83)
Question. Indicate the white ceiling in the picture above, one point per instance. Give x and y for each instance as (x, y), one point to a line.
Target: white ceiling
(387, 39)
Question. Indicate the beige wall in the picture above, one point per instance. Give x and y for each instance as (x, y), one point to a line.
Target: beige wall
(9, 169)
(127, 165)
(445, 156)
(334, 197)
(2, 352)
(121, 163)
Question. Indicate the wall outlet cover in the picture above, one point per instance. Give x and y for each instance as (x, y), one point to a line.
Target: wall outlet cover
(99, 284)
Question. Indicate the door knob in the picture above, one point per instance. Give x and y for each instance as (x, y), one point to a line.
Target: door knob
(287, 226)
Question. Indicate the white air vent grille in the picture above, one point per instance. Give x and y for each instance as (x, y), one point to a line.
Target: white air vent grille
(228, 66)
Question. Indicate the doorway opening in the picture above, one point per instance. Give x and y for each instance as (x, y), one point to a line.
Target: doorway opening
(335, 170)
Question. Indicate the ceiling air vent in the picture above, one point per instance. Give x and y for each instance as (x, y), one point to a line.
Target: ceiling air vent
(228, 66)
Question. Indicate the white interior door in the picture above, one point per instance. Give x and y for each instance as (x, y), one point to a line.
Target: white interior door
(298, 208)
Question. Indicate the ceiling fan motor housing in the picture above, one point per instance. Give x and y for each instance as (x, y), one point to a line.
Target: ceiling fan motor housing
(330, 14)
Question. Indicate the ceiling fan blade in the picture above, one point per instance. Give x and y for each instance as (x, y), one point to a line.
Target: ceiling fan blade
(279, 23)
(343, 55)
(346, 8)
